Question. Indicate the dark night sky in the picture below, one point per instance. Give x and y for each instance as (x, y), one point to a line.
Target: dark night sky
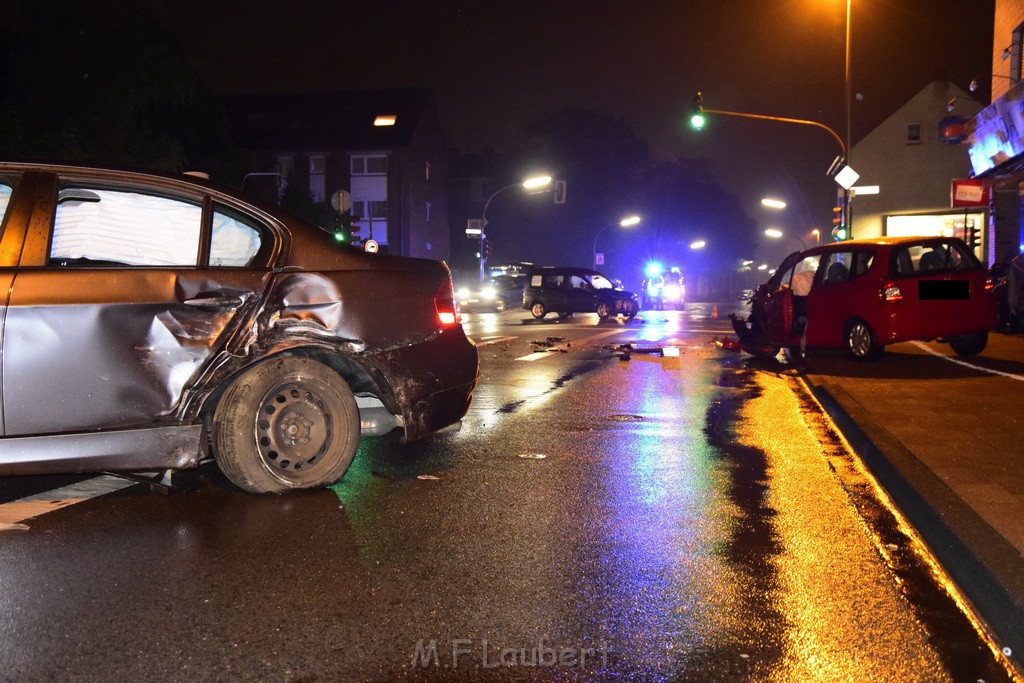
(495, 66)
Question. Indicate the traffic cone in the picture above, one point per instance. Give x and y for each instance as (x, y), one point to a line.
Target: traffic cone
(714, 311)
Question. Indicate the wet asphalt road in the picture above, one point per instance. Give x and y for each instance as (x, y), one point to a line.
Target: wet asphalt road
(673, 518)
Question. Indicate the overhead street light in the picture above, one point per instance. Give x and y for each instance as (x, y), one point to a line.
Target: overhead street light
(531, 183)
(624, 222)
(537, 182)
(773, 203)
(777, 234)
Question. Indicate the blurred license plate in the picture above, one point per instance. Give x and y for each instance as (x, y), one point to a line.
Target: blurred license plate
(943, 290)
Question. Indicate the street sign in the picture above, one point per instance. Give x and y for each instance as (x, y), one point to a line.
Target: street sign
(599, 258)
(474, 227)
(968, 193)
(371, 246)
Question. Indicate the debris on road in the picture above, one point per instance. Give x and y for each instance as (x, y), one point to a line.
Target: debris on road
(553, 344)
(624, 351)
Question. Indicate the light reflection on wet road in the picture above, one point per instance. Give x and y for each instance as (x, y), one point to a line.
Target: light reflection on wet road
(683, 524)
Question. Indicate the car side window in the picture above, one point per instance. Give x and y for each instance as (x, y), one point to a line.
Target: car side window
(124, 228)
(235, 240)
(837, 268)
(577, 282)
(551, 281)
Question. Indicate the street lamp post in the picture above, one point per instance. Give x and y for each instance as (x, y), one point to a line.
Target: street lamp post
(532, 183)
(778, 234)
(627, 222)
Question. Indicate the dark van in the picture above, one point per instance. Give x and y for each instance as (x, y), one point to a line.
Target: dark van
(565, 291)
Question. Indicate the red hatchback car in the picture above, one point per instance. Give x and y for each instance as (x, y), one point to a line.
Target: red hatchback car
(863, 295)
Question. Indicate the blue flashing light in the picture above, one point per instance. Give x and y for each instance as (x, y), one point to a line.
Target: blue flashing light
(653, 269)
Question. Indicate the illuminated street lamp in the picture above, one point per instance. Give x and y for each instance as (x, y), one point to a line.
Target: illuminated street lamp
(778, 234)
(625, 222)
(773, 203)
(532, 183)
(699, 244)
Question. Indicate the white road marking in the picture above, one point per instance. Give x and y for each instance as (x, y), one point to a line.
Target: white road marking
(1009, 375)
(41, 503)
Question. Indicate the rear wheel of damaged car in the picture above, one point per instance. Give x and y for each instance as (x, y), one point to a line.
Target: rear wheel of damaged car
(538, 310)
(602, 310)
(969, 344)
(286, 423)
(861, 342)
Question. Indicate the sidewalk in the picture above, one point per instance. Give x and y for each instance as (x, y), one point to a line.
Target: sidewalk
(946, 441)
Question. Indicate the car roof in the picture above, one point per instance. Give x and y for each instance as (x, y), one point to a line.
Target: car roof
(564, 269)
(888, 241)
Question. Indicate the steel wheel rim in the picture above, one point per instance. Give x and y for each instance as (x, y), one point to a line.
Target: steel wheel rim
(538, 310)
(294, 428)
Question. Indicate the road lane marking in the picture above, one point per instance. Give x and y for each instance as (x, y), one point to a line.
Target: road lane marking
(47, 501)
(930, 350)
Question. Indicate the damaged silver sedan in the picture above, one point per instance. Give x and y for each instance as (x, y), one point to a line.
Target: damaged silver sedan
(150, 318)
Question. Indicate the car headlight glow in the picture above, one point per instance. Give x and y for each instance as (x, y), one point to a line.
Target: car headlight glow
(488, 293)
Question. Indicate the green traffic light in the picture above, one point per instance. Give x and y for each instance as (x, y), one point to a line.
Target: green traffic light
(697, 121)
(339, 236)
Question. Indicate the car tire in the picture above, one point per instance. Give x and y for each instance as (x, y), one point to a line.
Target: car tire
(538, 310)
(602, 310)
(564, 314)
(286, 423)
(861, 342)
(630, 309)
(500, 306)
(969, 344)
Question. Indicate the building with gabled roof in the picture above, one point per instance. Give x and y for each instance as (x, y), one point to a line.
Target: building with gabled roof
(907, 165)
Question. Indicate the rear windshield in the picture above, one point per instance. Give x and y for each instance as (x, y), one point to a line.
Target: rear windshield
(932, 257)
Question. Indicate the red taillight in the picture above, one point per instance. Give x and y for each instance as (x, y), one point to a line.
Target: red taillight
(444, 304)
(890, 292)
(989, 284)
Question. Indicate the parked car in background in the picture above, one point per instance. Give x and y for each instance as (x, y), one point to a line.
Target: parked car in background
(497, 294)
(565, 290)
(148, 314)
(867, 294)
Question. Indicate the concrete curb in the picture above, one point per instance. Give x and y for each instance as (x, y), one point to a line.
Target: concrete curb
(986, 567)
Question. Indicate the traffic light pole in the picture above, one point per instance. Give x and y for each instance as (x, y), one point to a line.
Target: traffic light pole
(698, 103)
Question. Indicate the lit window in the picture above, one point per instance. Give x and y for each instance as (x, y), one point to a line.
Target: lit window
(384, 120)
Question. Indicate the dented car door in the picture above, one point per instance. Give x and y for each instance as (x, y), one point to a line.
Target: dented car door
(119, 316)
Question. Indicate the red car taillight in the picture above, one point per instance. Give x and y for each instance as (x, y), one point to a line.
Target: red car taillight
(989, 285)
(890, 292)
(444, 304)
